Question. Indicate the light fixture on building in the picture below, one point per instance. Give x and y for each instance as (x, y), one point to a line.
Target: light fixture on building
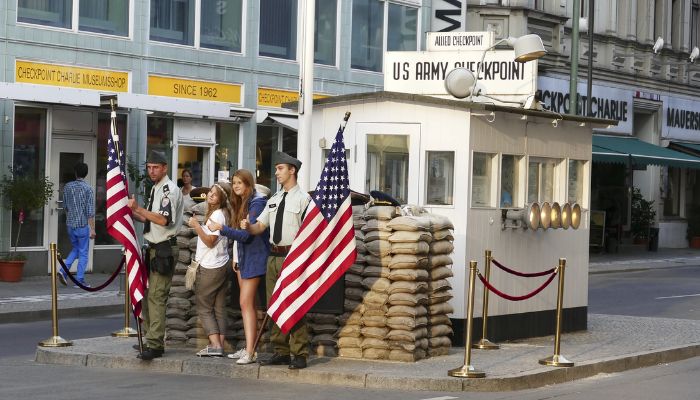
(694, 54)
(658, 44)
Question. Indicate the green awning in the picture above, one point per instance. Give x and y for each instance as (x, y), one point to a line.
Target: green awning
(624, 150)
(690, 148)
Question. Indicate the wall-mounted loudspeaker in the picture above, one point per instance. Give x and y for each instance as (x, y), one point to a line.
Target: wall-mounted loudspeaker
(566, 216)
(545, 215)
(528, 216)
(555, 216)
(575, 216)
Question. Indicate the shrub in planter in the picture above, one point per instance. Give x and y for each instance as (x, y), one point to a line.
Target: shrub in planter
(643, 214)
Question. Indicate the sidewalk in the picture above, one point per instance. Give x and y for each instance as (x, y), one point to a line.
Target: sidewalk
(611, 343)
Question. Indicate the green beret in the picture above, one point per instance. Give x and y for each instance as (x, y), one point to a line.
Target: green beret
(156, 157)
(284, 158)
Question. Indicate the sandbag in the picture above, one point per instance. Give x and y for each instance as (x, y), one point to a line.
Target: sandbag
(373, 298)
(440, 330)
(440, 308)
(406, 311)
(408, 275)
(441, 273)
(439, 260)
(354, 293)
(375, 354)
(439, 341)
(350, 331)
(441, 247)
(439, 297)
(407, 336)
(356, 269)
(444, 234)
(408, 287)
(376, 272)
(439, 222)
(374, 321)
(352, 280)
(350, 352)
(410, 237)
(410, 223)
(347, 341)
(377, 261)
(380, 285)
(408, 299)
(373, 343)
(406, 323)
(401, 261)
(410, 248)
(384, 213)
(441, 284)
(376, 225)
(376, 332)
(378, 247)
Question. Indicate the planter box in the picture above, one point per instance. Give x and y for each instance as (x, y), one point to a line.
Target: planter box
(11, 271)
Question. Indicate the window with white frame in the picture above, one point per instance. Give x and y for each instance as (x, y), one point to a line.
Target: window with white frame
(695, 24)
(109, 17)
(221, 26)
(387, 165)
(541, 175)
(482, 167)
(278, 29)
(368, 27)
(325, 31)
(510, 180)
(440, 177)
(172, 21)
(576, 182)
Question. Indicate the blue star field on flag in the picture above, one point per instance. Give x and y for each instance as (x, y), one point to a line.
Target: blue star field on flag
(334, 185)
(112, 160)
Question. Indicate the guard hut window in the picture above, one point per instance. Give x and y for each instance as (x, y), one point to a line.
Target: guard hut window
(227, 135)
(278, 29)
(510, 180)
(172, 21)
(387, 165)
(29, 159)
(576, 181)
(221, 26)
(440, 177)
(541, 179)
(482, 188)
(326, 29)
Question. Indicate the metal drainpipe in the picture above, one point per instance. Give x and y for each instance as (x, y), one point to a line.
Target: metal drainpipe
(591, 32)
(574, 58)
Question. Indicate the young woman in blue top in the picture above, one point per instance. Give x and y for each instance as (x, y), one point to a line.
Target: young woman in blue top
(252, 254)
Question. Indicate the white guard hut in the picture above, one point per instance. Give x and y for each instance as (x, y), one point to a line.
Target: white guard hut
(472, 162)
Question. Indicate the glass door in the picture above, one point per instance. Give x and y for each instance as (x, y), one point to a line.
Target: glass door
(65, 153)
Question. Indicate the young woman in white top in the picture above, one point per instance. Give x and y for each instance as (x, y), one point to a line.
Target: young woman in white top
(213, 273)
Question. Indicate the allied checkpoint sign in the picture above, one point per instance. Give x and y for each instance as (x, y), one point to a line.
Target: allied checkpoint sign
(424, 72)
(451, 41)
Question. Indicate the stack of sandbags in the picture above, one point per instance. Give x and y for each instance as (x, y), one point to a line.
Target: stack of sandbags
(322, 330)
(440, 269)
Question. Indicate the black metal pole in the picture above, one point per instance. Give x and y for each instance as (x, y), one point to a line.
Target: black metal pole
(591, 32)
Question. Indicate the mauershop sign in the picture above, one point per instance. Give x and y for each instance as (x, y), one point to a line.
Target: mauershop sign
(606, 102)
(681, 119)
(451, 41)
(423, 72)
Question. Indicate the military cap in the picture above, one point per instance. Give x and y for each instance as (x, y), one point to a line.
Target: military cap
(156, 157)
(284, 158)
(384, 199)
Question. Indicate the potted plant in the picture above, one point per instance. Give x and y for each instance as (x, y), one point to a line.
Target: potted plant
(22, 193)
(643, 214)
(693, 231)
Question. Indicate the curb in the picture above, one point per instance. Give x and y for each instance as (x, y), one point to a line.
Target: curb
(73, 312)
(219, 368)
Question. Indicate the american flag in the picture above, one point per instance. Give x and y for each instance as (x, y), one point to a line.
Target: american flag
(119, 222)
(324, 247)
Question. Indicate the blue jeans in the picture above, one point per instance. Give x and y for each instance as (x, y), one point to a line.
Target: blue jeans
(80, 239)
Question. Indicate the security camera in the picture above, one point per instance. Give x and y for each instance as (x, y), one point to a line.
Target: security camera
(658, 44)
(694, 54)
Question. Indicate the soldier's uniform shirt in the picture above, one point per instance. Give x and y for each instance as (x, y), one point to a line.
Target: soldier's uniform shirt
(167, 201)
(295, 204)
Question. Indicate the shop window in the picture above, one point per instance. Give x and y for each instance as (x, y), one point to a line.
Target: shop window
(226, 163)
(159, 136)
(510, 181)
(172, 21)
(482, 167)
(57, 13)
(367, 35)
(695, 24)
(110, 17)
(278, 29)
(325, 35)
(576, 181)
(103, 134)
(272, 138)
(541, 179)
(402, 33)
(221, 26)
(29, 159)
(387, 165)
(440, 177)
(671, 191)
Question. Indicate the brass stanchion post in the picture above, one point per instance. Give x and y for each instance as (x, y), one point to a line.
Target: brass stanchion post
(55, 340)
(467, 370)
(127, 331)
(484, 343)
(557, 360)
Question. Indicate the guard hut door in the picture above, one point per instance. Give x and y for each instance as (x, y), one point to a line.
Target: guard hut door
(65, 153)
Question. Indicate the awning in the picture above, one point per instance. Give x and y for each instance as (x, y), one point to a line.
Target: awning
(49, 94)
(624, 150)
(684, 147)
(289, 122)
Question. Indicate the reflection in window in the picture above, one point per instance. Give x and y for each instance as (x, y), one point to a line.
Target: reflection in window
(103, 133)
(326, 13)
(29, 159)
(159, 136)
(387, 165)
(266, 144)
(440, 179)
(671, 184)
(510, 180)
(540, 180)
(172, 21)
(227, 149)
(278, 29)
(110, 17)
(221, 24)
(367, 35)
(402, 34)
(56, 13)
(576, 176)
(481, 180)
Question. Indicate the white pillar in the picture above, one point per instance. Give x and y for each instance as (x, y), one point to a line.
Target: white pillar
(306, 95)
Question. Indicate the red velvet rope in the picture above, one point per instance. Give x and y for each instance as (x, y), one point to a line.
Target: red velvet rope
(66, 270)
(522, 274)
(516, 298)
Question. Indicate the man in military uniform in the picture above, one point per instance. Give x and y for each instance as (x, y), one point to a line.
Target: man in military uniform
(283, 214)
(162, 218)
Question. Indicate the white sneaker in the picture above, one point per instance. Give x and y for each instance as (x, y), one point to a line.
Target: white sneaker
(210, 352)
(247, 358)
(237, 354)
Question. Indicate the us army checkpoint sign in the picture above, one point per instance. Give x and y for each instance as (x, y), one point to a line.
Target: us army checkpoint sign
(424, 72)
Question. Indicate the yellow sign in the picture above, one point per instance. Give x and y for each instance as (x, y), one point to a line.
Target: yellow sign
(194, 90)
(275, 97)
(71, 76)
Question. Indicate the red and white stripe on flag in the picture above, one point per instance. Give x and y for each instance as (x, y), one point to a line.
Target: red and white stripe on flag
(324, 247)
(120, 224)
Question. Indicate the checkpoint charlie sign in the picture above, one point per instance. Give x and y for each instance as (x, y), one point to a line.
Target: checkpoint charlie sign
(424, 72)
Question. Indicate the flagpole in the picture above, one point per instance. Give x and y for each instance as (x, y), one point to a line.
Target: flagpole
(306, 92)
